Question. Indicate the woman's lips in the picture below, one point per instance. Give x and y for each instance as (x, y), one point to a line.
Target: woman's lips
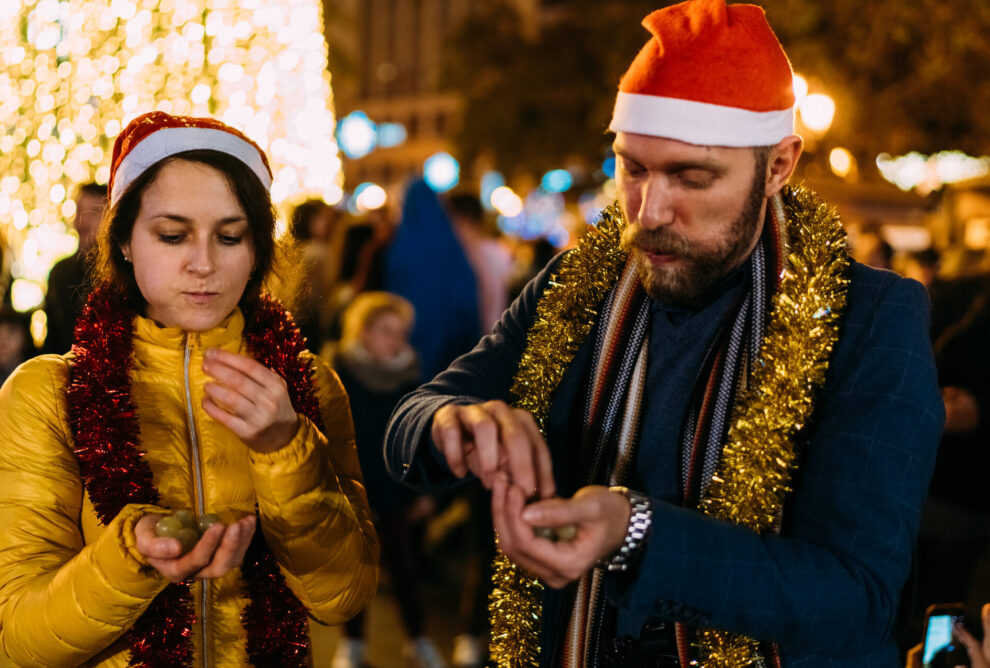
(201, 297)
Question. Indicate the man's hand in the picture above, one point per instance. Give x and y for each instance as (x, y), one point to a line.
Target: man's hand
(979, 653)
(601, 518)
(493, 436)
(220, 549)
(249, 399)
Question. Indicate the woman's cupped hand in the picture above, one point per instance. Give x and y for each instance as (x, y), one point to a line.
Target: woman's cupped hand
(220, 549)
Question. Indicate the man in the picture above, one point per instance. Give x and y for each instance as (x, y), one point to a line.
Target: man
(67, 289)
(709, 345)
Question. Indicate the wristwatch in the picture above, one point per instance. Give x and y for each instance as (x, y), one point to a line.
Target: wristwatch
(640, 519)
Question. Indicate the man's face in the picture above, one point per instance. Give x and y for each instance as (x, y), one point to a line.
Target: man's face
(89, 211)
(694, 212)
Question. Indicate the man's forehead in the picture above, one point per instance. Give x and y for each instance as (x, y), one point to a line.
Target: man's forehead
(639, 146)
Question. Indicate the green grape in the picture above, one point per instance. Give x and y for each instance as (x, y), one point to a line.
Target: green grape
(545, 533)
(167, 527)
(566, 533)
(188, 537)
(186, 517)
(206, 521)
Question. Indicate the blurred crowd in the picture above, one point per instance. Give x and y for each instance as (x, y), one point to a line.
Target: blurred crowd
(392, 297)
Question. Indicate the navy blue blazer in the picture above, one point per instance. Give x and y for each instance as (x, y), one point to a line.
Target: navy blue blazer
(826, 588)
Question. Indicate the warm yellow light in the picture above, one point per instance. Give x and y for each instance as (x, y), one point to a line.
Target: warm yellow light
(72, 73)
(506, 202)
(371, 198)
(26, 295)
(39, 327)
(817, 111)
(841, 161)
(800, 88)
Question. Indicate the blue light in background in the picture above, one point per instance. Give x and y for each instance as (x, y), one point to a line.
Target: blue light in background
(356, 135)
(441, 172)
(608, 167)
(489, 182)
(557, 181)
(391, 134)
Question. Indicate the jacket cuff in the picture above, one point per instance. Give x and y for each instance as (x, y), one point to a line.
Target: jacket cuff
(117, 561)
(299, 466)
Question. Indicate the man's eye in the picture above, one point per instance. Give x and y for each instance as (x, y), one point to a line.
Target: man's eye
(696, 180)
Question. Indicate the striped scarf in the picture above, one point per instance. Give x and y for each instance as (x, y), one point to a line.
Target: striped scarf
(612, 412)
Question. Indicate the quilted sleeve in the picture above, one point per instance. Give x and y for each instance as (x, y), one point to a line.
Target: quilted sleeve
(61, 601)
(314, 510)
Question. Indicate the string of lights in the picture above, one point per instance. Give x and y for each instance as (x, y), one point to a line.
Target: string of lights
(74, 73)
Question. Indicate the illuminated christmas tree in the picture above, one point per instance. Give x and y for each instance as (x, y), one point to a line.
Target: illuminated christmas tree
(73, 73)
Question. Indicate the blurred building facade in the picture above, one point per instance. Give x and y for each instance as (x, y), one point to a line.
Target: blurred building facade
(389, 64)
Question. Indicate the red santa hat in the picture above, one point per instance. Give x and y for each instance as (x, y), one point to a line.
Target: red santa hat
(154, 136)
(711, 75)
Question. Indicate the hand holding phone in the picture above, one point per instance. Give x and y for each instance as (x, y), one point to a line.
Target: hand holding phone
(979, 652)
(941, 648)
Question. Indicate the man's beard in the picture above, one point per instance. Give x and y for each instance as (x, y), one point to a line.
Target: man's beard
(696, 270)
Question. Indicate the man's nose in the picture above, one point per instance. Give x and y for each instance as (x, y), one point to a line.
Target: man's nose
(656, 203)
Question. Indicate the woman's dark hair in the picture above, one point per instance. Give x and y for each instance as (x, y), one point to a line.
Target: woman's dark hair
(117, 226)
(302, 214)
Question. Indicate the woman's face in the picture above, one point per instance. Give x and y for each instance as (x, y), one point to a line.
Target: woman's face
(190, 247)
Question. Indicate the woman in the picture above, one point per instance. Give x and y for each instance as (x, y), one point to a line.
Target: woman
(186, 388)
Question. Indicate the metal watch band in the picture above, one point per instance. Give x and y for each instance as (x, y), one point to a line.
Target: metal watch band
(640, 519)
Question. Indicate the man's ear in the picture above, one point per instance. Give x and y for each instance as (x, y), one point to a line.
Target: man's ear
(781, 163)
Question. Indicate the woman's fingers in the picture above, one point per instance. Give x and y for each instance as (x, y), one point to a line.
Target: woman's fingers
(230, 552)
(239, 371)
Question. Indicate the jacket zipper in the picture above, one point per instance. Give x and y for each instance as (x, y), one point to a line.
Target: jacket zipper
(200, 502)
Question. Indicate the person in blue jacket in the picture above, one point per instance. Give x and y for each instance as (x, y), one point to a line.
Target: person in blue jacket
(708, 432)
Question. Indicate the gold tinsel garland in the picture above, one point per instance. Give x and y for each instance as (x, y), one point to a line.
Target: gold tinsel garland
(758, 459)
(564, 316)
(755, 469)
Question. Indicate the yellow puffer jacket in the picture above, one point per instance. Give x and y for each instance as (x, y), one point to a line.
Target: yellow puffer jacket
(70, 587)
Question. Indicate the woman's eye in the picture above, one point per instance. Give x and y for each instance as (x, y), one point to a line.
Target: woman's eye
(231, 239)
(171, 239)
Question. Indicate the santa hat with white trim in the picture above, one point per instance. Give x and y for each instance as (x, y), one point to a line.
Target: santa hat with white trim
(155, 136)
(712, 74)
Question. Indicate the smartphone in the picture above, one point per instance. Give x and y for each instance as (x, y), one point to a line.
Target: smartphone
(941, 648)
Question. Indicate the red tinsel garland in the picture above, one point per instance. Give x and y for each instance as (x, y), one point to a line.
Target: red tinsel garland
(105, 426)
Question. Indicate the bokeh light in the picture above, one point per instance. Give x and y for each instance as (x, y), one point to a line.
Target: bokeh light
(841, 161)
(817, 111)
(357, 135)
(369, 196)
(506, 202)
(557, 181)
(490, 180)
(391, 134)
(441, 172)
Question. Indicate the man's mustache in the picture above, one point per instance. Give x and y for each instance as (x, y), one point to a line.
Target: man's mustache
(660, 241)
